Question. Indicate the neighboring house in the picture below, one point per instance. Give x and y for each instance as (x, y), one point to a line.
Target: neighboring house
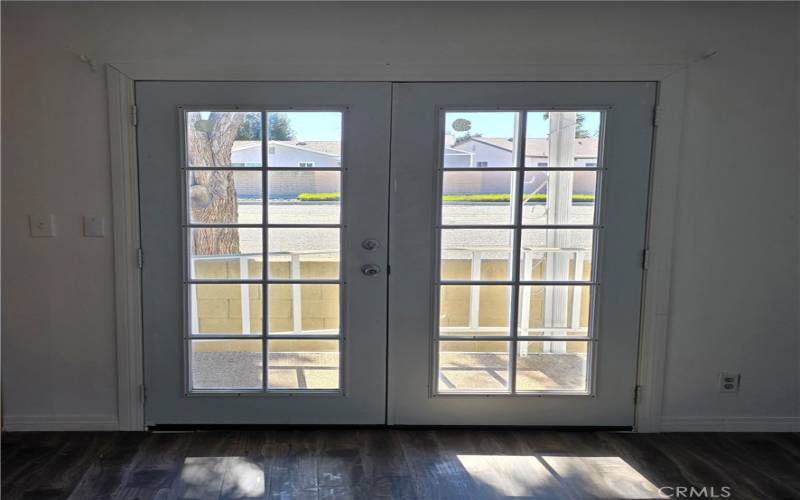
(497, 151)
(491, 152)
(298, 154)
(474, 152)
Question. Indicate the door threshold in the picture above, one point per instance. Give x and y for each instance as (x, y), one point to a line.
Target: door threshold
(178, 428)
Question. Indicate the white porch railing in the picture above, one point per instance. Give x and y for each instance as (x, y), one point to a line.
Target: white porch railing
(555, 307)
(556, 300)
(244, 259)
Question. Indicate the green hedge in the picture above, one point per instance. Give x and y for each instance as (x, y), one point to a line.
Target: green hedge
(472, 198)
(318, 196)
(477, 198)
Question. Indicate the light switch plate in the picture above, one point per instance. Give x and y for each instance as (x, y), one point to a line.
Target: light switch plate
(94, 226)
(42, 225)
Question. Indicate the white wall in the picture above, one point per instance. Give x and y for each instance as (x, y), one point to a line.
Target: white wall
(735, 294)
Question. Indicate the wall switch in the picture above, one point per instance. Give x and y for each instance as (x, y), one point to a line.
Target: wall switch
(729, 382)
(42, 226)
(94, 226)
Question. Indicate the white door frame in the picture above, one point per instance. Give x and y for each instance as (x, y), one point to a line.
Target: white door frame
(666, 163)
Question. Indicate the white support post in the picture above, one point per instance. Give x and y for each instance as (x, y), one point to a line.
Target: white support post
(559, 203)
(475, 290)
(297, 309)
(525, 301)
(243, 274)
(577, 291)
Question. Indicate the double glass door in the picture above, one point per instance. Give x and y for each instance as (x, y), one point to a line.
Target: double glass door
(370, 253)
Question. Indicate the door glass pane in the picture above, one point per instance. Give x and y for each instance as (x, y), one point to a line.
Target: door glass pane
(554, 310)
(304, 197)
(552, 365)
(240, 258)
(562, 139)
(476, 254)
(556, 254)
(224, 197)
(472, 366)
(565, 148)
(223, 139)
(225, 309)
(303, 253)
(304, 139)
(483, 139)
(304, 309)
(474, 310)
(224, 188)
(303, 364)
(572, 202)
(477, 198)
(226, 364)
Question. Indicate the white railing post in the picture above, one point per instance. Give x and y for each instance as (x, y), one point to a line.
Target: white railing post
(195, 313)
(475, 290)
(525, 301)
(297, 309)
(577, 290)
(243, 274)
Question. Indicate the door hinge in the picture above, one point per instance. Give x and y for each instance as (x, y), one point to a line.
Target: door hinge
(645, 258)
(637, 394)
(139, 258)
(142, 393)
(134, 115)
(656, 116)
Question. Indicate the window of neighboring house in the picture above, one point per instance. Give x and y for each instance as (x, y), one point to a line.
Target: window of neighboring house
(541, 164)
(483, 163)
(305, 164)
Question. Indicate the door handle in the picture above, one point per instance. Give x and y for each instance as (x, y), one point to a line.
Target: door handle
(370, 269)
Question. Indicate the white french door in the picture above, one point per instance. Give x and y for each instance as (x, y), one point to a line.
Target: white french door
(517, 228)
(264, 223)
(511, 215)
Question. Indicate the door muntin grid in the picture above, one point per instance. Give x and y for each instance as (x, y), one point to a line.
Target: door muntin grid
(521, 168)
(264, 280)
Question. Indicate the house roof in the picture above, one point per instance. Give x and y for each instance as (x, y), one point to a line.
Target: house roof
(239, 145)
(537, 147)
(332, 148)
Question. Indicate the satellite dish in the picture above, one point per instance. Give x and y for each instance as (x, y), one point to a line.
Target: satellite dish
(461, 125)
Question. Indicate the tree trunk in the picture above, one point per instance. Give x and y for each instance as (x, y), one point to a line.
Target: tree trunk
(213, 192)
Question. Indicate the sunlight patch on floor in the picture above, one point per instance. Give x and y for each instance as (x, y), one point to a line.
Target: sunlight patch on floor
(237, 477)
(544, 476)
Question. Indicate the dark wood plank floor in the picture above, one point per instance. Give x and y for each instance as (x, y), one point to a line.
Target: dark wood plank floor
(383, 463)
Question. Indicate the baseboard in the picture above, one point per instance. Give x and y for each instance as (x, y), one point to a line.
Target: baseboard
(17, 423)
(730, 424)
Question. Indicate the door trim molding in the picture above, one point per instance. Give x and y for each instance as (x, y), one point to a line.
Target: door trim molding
(666, 161)
(127, 275)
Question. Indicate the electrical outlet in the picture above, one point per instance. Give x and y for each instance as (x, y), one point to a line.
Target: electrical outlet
(729, 382)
